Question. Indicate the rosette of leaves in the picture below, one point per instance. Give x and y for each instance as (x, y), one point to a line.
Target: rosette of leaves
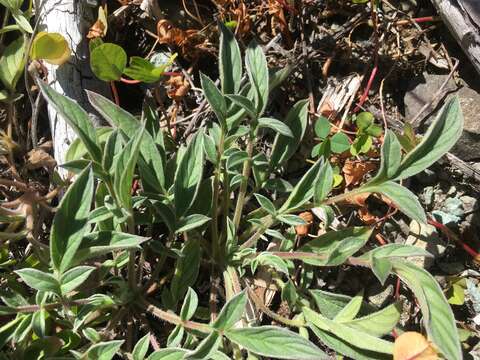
(124, 269)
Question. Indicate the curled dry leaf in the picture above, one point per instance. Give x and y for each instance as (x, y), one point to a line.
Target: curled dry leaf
(367, 217)
(188, 41)
(100, 27)
(302, 230)
(39, 158)
(178, 87)
(413, 346)
(354, 171)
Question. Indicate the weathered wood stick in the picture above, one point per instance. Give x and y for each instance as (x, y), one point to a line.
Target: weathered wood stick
(463, 19)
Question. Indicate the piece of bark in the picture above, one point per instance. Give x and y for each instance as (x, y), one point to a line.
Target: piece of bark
(72, 19)
(463, 19)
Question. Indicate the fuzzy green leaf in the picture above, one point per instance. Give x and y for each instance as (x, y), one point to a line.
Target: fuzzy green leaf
(275, 125)
(231, 312)
(402, 198)
(442, 134)
(39, 280)
(438, 318)
(70, 223)
(257, 70)
(275, 342)
(284, 147)
(74, 277)
(188, 175)
(230, 62)
(76, 117)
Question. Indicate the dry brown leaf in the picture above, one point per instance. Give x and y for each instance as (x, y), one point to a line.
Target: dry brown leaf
(413, 346)
(302, 230)
(39, 158)
(100, 27)
(358, 199)
(366, 216)
(189, 42)
(178, 87)
(354, 171)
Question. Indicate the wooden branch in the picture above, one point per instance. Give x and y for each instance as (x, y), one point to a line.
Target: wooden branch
(463, 19)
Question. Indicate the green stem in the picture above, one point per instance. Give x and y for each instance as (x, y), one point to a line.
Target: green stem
(173, 318)
(247, 166)
(216, 251)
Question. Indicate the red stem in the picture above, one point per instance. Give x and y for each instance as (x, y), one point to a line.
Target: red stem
(115, 93)
(367, 89)
(129, 81)
(452, 236)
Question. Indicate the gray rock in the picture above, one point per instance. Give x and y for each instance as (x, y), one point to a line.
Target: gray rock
(425, 237)
(421, 91)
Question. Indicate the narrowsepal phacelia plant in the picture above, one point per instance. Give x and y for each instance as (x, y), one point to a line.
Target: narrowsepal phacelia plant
(125, 271)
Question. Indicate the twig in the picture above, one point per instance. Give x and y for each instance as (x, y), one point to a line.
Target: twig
(437, 95)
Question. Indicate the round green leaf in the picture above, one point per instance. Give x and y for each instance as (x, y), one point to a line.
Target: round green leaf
(339, 143)
(108, 61)
(51, 47)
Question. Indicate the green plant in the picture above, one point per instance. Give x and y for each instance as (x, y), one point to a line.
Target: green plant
(205, 211)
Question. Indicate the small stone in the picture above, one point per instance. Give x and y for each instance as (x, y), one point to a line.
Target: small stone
(469, 203)
(425, 237)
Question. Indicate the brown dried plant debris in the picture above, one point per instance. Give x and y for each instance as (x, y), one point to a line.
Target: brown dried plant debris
(189, 42)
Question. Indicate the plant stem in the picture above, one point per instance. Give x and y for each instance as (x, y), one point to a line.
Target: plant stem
(173, 318)
(247, 166)
(259, 303)
(216, 191)
(267, 222)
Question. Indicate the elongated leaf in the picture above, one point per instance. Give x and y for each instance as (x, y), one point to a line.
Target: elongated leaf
(378, 323)
(125, 170)
(230, 62)
(391, 156)
(275, 125)
(71, 221)
(324, 183)
(153, 160)
(190, 305)
(186, 269)
(438, 140)
(403, 199)
(257, 70)
(74, 277)
(336, 246)
(343, 347)
(275, 342)
(76, 117)
(350, 311)
(188, 176)
(12, 63)
(284, 147)
(104, 242)
(266, 203)
(141, 348)
(329, 304)
(438, 318)
(231, 312)
(191, 222)
(244, 103)
(215, 98)
(104, 350)
(39, 280)
(303, 191)
(206, 347)
(168, 354)
(350, 335)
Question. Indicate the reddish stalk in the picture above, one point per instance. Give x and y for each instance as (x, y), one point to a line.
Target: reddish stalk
(418, 20)
(129, 81)
(452, 236)
(364, 97)
(115, 93)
